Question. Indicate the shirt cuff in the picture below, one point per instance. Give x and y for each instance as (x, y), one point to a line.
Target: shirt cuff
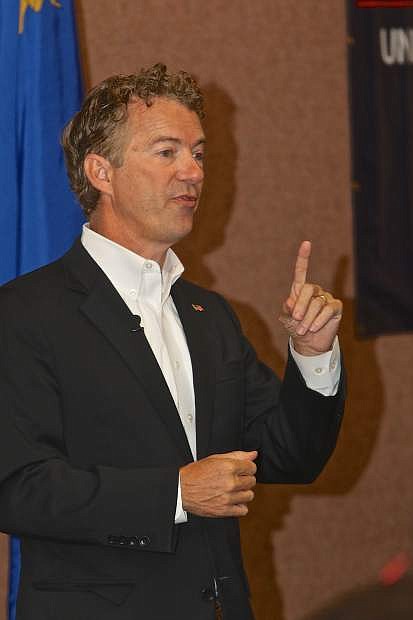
(321, 373)
(180, 513)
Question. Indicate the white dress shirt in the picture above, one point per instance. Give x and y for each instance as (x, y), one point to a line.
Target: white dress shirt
(145, 288)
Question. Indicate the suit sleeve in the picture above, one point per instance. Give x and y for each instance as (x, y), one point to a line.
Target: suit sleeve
(293, 428)
(41, 493)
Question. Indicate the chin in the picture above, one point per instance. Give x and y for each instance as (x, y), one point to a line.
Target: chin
(184, 229)
(180, 236)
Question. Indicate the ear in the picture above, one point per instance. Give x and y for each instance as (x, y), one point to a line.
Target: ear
(99, 172)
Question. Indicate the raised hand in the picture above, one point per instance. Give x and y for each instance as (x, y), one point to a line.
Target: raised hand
(219, 485)
(310, 314)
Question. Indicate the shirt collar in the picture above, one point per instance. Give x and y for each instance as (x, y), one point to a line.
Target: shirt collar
(124, 268)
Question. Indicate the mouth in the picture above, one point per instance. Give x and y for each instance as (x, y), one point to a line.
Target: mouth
(186, 199)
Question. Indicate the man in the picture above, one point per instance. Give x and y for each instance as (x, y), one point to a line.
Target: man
(135, 415)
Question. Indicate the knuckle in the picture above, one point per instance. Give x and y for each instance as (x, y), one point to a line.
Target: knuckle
(233, 482)
(226, 499)
(228, 467)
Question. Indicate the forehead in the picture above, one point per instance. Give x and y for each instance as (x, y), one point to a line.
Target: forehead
(165, 117)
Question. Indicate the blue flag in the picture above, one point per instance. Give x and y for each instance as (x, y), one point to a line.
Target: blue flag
(41, 88)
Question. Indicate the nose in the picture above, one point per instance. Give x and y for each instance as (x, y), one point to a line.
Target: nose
(190, 170)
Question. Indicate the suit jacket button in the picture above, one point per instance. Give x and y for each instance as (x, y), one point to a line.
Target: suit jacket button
(144, 541)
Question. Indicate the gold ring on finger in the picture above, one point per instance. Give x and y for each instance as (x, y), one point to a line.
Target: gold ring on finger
(323, 297)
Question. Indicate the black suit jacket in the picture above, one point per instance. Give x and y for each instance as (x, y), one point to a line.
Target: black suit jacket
(91, 444)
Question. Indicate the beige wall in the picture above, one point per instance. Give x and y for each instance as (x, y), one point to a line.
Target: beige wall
(275, 75)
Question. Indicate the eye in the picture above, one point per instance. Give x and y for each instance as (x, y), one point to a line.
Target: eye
(166, 153)
(199, 156)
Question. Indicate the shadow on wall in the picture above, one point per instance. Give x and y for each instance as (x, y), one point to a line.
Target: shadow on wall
(365, 402)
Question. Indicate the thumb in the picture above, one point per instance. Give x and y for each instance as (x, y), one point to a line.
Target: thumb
(242, 456)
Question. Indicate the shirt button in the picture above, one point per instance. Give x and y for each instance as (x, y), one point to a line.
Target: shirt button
(133, 293)
(177, 364)
(148, 265)
(190, 418)
(319, 371)
(144, 541)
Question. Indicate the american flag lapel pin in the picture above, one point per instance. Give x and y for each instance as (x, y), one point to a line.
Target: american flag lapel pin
(198, 308)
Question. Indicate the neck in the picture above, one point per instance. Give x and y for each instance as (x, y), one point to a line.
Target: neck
(124, 237)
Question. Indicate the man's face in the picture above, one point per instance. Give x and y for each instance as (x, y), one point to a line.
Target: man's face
(156, 191)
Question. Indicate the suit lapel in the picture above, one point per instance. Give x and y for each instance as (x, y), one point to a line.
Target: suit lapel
(106, 310)
(198, 329)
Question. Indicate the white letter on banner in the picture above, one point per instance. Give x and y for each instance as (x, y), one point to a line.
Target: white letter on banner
(387, 57)
(403, 46)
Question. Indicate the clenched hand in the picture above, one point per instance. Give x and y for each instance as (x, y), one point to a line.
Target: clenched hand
(219, 485)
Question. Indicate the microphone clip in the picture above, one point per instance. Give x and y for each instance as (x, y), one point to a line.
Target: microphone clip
(138, 327)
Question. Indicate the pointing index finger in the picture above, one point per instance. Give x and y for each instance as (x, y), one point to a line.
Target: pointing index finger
(301, 265)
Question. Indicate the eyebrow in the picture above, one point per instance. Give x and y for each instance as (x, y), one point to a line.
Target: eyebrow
(175, 140)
